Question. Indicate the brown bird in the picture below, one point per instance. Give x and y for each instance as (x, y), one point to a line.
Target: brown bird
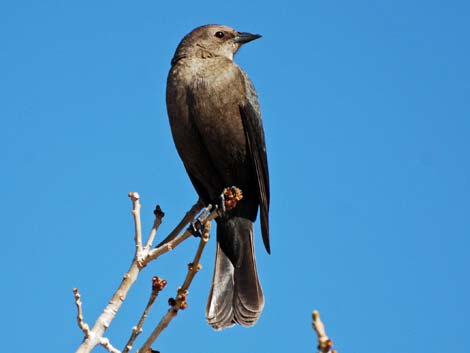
(216, 124)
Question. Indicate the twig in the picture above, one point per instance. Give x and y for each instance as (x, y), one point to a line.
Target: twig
(83, 326)
(325, 344)
(159, 214)
(180, 302)
(157, 285)
(195, 266)
(134, 196)
(107, 316)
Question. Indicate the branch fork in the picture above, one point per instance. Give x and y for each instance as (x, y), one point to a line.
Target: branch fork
(144, 254)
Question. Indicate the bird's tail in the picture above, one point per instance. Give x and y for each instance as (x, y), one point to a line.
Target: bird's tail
(235, 295)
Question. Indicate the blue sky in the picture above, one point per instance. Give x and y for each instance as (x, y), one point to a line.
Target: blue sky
(367, 120)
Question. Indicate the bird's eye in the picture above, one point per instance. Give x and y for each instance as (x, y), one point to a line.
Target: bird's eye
(219, 34)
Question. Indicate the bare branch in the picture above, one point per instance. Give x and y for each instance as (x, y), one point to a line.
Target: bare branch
(110, 311)
(138, 225)
(180, 302)
(325, 344)
(83, 326)
(195, 266)
(143, 256)
(159, 214)
(157, 285)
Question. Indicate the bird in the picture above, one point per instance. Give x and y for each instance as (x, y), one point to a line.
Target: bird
(216, 124)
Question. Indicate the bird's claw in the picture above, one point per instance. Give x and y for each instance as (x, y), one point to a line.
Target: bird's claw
(195, 228)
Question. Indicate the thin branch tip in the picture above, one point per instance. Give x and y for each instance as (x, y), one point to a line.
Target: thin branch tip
(133, 195)
(81, 323)
(158, 283)
(158, 212)
(325, 344)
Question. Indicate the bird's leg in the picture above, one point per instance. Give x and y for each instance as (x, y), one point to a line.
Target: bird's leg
(225, 203)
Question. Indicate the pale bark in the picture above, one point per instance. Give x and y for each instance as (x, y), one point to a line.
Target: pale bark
(142, 257)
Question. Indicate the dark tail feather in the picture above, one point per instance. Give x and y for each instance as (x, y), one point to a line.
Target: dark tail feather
(248, 301)
(236, 295)
(219, 312)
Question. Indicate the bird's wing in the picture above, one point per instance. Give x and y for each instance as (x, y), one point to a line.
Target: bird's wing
(253, 125)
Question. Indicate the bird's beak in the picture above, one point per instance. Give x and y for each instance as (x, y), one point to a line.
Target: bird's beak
(244, 37)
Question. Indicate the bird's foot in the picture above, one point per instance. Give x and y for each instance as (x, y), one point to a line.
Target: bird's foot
(195, 228)
(197, 225)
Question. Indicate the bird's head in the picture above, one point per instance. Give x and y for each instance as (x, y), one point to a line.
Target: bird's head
(212, 41)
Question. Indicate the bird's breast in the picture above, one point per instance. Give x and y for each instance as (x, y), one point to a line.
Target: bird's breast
(206, 95)
(217, 94)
